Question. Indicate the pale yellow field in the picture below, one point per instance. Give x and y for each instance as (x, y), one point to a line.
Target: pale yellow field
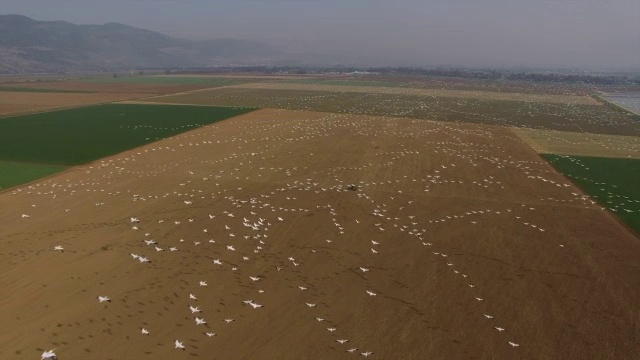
(581, 144)
(467, 94)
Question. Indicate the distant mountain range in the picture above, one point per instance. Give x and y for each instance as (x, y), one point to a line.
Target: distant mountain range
(30, 46)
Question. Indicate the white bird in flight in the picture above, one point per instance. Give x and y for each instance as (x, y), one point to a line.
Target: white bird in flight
(104, 299)
(254, 278)
(371, 293)
(342, 341)
(58, 248)
(194, 309)
(488, 316)
(513, 344)
(144, 331)
(499, 328)
(366, 354)
(210, 334)
(49, 354)
(192, 297)
(200, 321)
(179, 345)
(203, 283)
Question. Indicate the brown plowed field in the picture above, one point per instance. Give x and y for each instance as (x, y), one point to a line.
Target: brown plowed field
(463, 229)
(133, 88)
(12, 103)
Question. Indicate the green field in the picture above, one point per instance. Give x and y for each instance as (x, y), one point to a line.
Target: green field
(27, 89)
(165, 80)
(614, 183)
(12, 174)
(77, 136)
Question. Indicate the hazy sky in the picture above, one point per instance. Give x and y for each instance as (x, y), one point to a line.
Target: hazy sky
(581, 33)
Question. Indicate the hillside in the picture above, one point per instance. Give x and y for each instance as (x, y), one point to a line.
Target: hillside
(28, 46)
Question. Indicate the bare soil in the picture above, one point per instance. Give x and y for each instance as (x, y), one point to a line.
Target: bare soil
(15, 103)
(463, 229)
(119, 88)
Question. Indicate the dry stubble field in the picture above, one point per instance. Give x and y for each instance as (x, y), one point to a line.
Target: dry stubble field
(14, 103)
(459, 240)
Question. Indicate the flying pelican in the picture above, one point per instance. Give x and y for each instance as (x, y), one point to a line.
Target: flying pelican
(342, 341)
(217, 262)
(192, 297)
(499, 328)
(104, 299)
(366, 354)
(254, 278)
(173, 248)
(255, 306)
(230, 247)
(488, 316)
(203, 283)
(49, 354)
(228, 320)
(194, 309)
(319, 319)
(58, 248)
(302, 288)
(364, 269)
(513, 344)
(310, 305)
(210, 334)
(352, 350)
(144, 331)
(331, 329)
(200, 321)
(179, 345)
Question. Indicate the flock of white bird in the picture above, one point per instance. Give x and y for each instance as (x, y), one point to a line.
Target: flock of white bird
(251, 220)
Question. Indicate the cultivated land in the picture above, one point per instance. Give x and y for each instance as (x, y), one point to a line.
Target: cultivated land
(464, 94)
(613, 182)
(12, 103)
(581, 144)
(551, 116)
(12, 173)
(139, 84)
(77, 136)
(463, 228)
